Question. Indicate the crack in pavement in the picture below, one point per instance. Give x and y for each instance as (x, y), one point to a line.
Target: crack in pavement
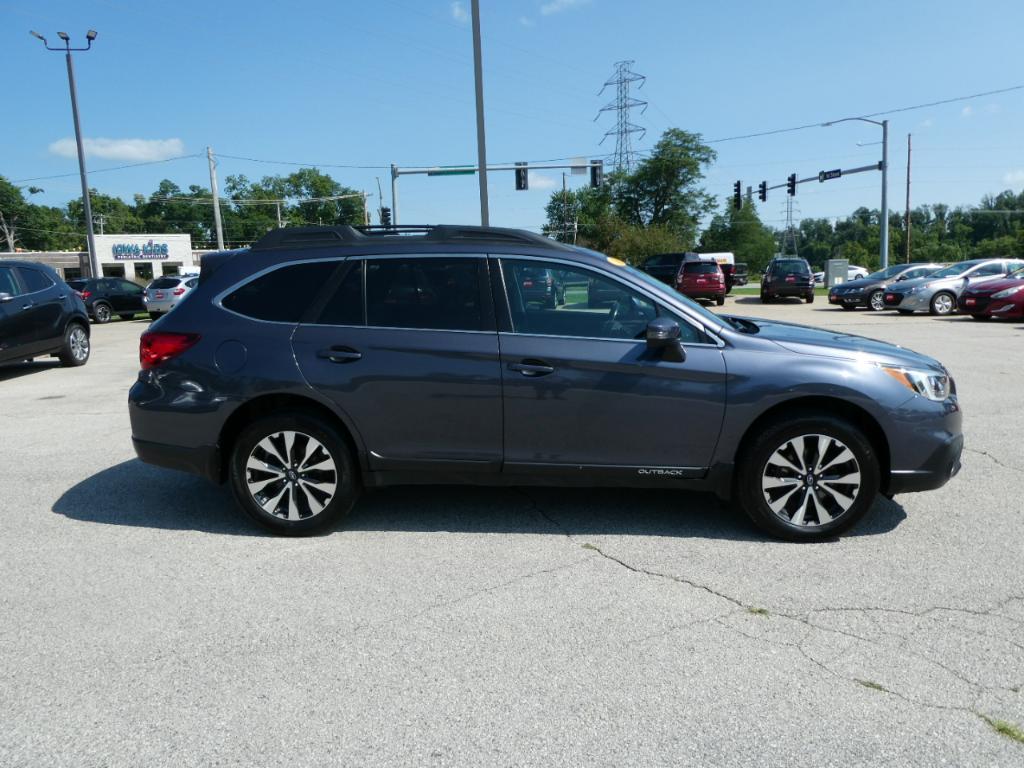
(992, 458)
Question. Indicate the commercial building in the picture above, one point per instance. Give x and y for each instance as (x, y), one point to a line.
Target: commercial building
(136, 257)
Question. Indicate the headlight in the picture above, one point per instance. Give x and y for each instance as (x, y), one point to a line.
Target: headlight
(1008, 292)
(934, 386)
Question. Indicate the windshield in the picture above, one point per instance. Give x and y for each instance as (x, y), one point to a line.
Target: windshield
(955, 269)
(881, 274)
(1017, 274)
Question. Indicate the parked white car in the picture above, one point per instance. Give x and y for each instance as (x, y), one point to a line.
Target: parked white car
(852, 273)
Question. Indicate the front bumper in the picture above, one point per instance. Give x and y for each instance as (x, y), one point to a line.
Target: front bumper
(939, 468)
(912, 302)
(857, 299)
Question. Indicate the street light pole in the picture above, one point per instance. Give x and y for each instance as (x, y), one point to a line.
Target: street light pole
(883, 224)
(94, 264)
(481, 144)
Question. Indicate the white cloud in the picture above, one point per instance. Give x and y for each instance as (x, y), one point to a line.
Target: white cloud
(541, 181)
(557, 6)
(526, 21)
(993, 109)
(459, 12)
(927, 123)
(1013, 178)
(132, 150)
(967, 111)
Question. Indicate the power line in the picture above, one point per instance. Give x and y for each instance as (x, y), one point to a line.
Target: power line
(112, 168)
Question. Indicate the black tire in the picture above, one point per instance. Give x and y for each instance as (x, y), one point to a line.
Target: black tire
(765, 298)
(155, 315)
(875, 301)
(344, 474)
(127, 316)
(560, 298)
(720, 300)
(809, 298)
(983, 318)
(551, 301)
(942, 304)
(847, 307)
(75, 351)
(754, 469)
(101, 312)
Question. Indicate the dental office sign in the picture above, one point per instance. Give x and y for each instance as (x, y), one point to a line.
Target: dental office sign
(135, 252)
(148, 247)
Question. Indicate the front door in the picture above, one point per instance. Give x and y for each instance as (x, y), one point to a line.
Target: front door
(582, 390)
(416, 369)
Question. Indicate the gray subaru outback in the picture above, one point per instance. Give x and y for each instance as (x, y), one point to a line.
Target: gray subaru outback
(324, 360)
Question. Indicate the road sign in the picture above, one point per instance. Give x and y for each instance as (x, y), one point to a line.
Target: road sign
(833, 174)
(451, 171)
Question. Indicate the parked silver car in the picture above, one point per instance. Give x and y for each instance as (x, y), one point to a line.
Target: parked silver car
(165, 293)
(938, 293)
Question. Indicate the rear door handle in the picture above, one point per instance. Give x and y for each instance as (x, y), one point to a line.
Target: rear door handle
(339, 354)
(532, 367)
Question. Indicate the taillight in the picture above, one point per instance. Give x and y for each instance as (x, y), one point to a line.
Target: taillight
(178, 291)
(156, 347)
(85, 294)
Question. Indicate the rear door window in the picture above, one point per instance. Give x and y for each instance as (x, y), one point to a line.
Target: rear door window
(424, 292)
(34, 280)
(345, 306)
(283, 294)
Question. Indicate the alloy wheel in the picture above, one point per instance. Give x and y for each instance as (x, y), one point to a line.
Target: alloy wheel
(291, 475)
(811, 480)
(942, 304)
(102, 313)
(877, 300)
(79, 342)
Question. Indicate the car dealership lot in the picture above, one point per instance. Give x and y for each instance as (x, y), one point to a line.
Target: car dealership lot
(146, 621)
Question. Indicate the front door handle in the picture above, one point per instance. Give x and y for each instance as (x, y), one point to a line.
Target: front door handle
(27, 306)
(339, 354)
(532, 367)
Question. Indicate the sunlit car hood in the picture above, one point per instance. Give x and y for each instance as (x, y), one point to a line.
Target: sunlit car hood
(989, 287)
(823, 343)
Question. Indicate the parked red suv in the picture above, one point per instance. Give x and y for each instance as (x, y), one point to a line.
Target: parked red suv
(701, 280)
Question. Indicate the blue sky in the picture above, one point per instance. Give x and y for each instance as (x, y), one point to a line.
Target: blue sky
(359, 83)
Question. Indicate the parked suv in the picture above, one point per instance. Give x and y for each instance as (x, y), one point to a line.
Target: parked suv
(665, 266)
(105, 297)
(40, 315)
(165, 293)
(323, 360)
(787, 276)
(543, 286)
(701, 280)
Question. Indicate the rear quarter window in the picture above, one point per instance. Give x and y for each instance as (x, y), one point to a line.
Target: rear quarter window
(282, 295)
(34, 279)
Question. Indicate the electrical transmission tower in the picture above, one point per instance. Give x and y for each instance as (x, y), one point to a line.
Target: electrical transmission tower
(624, 158)
(790, 235)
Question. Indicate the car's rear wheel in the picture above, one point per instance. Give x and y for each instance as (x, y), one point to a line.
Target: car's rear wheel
(293, 474)
(720, 300)
(154, 315)
(765, 298)
(809, 298)
(75, 351)
(876, 301)
(101, 312)
(943, 303)
(808, 478)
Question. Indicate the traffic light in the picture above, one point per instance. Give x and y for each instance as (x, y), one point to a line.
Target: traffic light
(737, 197)
(596, 173)
(762, 191)
(791, 184)
(522, 177)
(385, 217)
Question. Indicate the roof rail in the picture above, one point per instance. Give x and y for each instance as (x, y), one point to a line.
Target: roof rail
(343, 234)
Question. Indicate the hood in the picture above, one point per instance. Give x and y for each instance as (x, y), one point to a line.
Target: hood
(903, 286)
(988, 287)
(807, 340)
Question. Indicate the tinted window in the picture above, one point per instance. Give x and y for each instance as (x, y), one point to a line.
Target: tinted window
(78, 285)
(595, 306)
(164, 282)
(283, 294)
(191, 283)
(125, 287)
(7, 283)
(700, 268)
(440, 294)
(345, 307)
(790, 266)
(34, 280)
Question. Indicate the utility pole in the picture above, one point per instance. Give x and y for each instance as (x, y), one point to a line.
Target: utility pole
(366, 211)
(565, 204)
(481, 143)
(216, 199)
(277, 204)
(907, 224)
(100, 218)
(94, 260)
(884, 228)
(394, 193)
(380, 201)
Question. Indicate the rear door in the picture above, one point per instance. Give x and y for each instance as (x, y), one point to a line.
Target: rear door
(13, 329)
(582, 392)
(129, 296)
(407, 348)
(42, 308)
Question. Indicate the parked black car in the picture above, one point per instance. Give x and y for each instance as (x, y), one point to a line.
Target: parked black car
(543, 286)
(788, 276)
(322, 360)
(665, 266)
(105, 297)
(40, 315)
(740, 274)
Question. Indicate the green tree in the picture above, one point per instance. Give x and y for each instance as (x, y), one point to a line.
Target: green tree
(635, 244)
(742, 233)
(13, 209)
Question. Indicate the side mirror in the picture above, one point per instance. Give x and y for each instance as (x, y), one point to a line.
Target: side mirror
(663, 336)
(5, 297)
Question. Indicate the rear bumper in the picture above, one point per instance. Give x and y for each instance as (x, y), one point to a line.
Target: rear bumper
(787, 289)
(203, 460)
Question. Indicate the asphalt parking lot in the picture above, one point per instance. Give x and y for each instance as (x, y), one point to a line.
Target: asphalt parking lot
(144, 621)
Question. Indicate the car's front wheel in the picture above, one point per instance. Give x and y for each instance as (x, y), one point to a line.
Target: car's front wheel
(943, 303)
(293, 474)
(808, 478)
(809, 298)
(876, 301)
(719, 300)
